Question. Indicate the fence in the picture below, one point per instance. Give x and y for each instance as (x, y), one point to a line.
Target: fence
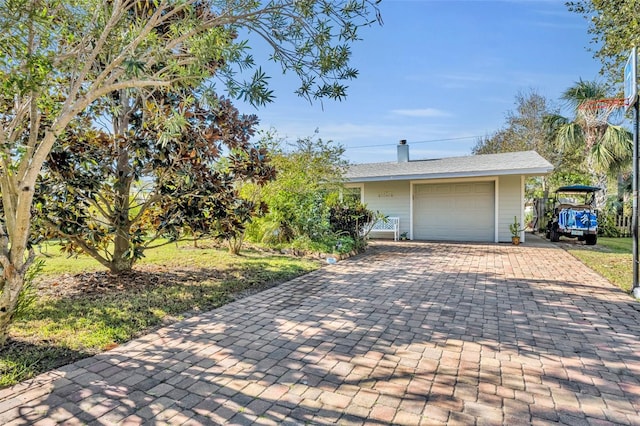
(623, 225)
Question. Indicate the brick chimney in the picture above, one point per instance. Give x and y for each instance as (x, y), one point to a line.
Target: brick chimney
(403, 151)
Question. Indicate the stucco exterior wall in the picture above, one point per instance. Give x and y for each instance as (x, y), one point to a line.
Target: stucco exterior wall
(393, 199)
(510, 194)
(390, 198)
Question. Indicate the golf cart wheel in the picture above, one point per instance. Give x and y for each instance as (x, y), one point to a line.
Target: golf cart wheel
(555, 236)
(590, 239)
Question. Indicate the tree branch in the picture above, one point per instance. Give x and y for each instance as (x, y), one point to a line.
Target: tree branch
(90, 250)
(145, 206)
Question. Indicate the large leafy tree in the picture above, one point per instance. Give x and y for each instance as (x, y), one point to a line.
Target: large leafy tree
(525, 130)
(59, 57)
(148, 185)
(310, 173)
(615, 26)
(605, 148)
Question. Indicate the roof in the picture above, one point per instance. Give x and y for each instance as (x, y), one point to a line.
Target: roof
(578, 189)
(511, 163)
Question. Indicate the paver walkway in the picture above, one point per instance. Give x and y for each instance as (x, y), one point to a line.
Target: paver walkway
(409, 333)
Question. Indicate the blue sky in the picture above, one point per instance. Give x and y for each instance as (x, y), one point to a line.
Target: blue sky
(440, 73)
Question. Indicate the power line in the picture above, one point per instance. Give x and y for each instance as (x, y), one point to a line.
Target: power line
(416, 142)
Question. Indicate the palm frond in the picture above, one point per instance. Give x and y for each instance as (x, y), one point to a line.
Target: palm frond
(614, 151)
(553, 121)
(619, 139)
(583, 91)
(569, 136)
(602, 158)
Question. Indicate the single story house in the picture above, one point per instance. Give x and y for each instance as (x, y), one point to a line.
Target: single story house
(471, 198)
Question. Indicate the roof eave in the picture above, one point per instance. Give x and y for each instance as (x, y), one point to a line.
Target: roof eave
(535, 171)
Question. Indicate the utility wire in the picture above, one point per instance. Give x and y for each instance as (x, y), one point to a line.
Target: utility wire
(415, 142)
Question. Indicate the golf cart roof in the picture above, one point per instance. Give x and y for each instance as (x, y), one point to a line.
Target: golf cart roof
(578, 189)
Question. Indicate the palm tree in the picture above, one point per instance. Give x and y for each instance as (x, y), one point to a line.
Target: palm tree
(607, 148)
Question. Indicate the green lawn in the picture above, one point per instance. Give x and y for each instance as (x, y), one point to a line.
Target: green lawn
(81, 310)
(611, 258)
(57, 263)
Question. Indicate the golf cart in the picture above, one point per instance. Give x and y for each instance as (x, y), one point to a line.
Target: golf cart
(573, 214)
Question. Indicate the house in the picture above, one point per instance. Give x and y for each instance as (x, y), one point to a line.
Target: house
(472, 198)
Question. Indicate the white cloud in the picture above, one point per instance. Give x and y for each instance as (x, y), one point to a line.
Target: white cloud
(467, 77)
(423, 112)
(375, 140)
(457, 81)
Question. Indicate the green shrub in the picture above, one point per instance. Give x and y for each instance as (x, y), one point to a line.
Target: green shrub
(345, 245)
(304, 243)
(607, 225)
(29, 293)
(349, 220)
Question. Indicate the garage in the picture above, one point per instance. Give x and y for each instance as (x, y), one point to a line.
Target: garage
(461, 211)
(470, 198)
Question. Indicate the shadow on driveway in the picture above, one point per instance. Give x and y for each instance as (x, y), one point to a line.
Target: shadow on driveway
(408, 333)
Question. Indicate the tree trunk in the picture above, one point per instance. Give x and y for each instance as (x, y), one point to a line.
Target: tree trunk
(600, 180)
(14, 234)
(12, 283)
(123, 259)
(602, 195)
(235, 244)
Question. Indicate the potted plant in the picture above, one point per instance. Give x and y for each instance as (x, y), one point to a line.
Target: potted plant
(404, 236)
(515, 231)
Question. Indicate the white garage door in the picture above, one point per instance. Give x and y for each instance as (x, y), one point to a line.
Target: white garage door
(454, 211)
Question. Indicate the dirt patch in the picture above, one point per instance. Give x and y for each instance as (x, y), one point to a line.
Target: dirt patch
(142, 278)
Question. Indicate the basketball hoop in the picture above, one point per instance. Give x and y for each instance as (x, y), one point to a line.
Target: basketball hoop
(597, 113)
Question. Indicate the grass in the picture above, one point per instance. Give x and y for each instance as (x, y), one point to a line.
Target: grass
(57, 263)
(616, 245)
(611, 258)
(170, 283)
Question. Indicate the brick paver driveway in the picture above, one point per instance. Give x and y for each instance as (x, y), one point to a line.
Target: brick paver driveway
(410, 333)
